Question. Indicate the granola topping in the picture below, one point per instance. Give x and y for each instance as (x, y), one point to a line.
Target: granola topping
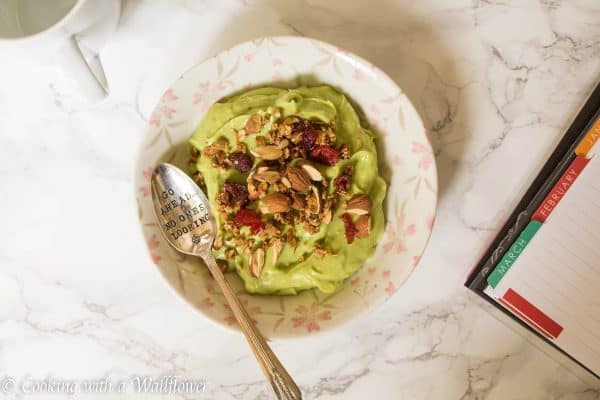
(284, 183)
(289, 187)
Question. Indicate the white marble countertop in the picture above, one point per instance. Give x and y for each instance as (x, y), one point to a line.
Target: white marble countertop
(496, 83)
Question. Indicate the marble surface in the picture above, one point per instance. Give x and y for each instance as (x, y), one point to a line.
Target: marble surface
(495, 81)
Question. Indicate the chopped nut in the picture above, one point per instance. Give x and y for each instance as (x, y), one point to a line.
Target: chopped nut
(299, 179)
(271, 231)
(262, 188)
(290, 120)
(220, 157)
(199, 178)
(296, 138)
(363, 226)
(275, 203)
(223, 198)
(322, 139)
(217, 151)
(360, 204)
(269, 176)
(286, 182)
(257, 261)
(312, 172)
(313, 202)
(221, 144)
(254, 124)
(284, 130)
(261, 141)
(298, 201)
(253, 192)
(240, 135)
(230, 253)
(291, 239)
(344, 152)
(218, 242)
(267, 152)
(276, 249)
(283, 144)
(320, 252)
(326, 217)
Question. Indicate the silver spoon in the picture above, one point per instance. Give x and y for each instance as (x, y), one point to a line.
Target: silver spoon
(185, 219)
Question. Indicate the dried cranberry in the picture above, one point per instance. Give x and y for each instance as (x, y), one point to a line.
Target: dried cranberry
(241, 161)
(342, 184)
(350, 228)
(309, 136)
(237, 191)
(249, 218)
(325, 155)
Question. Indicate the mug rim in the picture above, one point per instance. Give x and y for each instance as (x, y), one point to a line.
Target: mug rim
(52, 27)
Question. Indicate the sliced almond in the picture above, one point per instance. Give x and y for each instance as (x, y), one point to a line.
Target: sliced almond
(314, 201)
(276, 249)
(254, 124)
(299, 179)
(266, 152)
(218, 242)
(311, 170)
(360, 204)
(326, 217)
(286, 182)
(268, 176)
(290, 120)
(257, 261)
(283, 144)
(247, 253)
(276, 203)
(221, 144)
(363, 226)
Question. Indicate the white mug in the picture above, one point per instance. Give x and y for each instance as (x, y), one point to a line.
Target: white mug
(82, 25)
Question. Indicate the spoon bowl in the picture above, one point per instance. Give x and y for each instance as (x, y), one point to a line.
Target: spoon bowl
(186, 221)
(182, 210)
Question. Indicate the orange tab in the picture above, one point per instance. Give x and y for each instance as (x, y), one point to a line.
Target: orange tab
(591, 137)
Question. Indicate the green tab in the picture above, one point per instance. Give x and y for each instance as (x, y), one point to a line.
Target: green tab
(513, 253)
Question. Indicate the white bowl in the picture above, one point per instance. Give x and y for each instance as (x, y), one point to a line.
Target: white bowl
(406, 162)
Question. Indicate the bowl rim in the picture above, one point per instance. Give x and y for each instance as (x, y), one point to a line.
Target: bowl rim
(360, 314)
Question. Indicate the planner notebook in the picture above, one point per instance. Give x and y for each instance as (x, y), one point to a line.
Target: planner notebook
(544, 267)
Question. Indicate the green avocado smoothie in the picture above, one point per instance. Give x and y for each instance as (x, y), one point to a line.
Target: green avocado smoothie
(294, 180)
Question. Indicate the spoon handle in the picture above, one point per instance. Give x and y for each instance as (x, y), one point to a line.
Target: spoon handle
(282, 383)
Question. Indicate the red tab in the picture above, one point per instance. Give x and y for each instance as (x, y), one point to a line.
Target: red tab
(560, 189)
(531, 314)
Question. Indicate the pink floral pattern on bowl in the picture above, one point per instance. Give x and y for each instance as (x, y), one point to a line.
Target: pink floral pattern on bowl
(406, 160)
